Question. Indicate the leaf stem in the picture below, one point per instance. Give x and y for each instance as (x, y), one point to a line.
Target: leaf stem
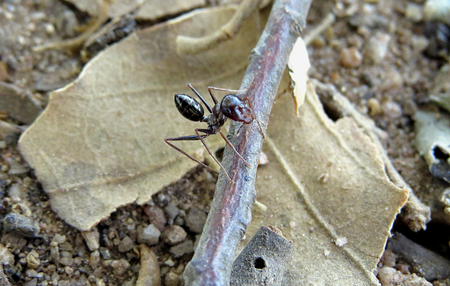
(233, 200)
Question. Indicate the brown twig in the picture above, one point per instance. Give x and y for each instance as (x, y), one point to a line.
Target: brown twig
(231, 208)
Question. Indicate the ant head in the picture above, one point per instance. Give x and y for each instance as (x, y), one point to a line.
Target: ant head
(189, 107)
(236, 109)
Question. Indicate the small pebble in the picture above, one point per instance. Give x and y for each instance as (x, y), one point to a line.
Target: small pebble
(350, 58)
(195, 219)
(54, 251)
(162, 199)
(374, 107)
(438, 10)
(392, 109)
(34, 274)
(169, 262)
(393, 79)
(174, 234)
(16, 168)
(172, 211)
(104, 252)
(59, 238)
(341, 241)
(126, 244)
(94, 259)
(183, 248)
(6, 257)
(32, 282)
(390, 277)
(20, 225)
(68, 270)
(414, 12)
(120, 266)
(404, 268)
(49, 28)
(377, 47)
(149, 272)
(156, 216)
(33, 260)
(172, 279)
(66, 258)
(419, 43)
(92, 238)
(149, 235)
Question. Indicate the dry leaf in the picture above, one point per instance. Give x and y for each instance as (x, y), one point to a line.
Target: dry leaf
(328, 192)
(433, 141)
(117, 8)
(149, 10)
(99, 144)
(152, 10)
(298, 69)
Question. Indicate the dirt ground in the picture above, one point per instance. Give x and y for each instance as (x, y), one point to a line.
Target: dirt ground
(388, 85)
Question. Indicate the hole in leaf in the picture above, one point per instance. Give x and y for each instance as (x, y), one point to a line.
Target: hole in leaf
(332, 112)
(440, 154)
(260, 263)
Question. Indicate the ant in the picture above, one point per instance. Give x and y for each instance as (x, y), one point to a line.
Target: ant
(231, 106)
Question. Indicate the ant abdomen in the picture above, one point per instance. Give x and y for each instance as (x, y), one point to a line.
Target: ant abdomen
(189, 107)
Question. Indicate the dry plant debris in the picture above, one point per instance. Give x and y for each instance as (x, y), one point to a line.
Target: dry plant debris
(326, 182)
(152, 10)
(99, 144)
(327, 190)
(433, 141)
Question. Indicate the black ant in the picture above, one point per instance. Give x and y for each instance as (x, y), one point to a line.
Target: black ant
(231, 106)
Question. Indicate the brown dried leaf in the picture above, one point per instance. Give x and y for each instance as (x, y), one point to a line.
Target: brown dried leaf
(152, 10)
(327, 190)
(117, 8)
(99, 144)
(149, 10)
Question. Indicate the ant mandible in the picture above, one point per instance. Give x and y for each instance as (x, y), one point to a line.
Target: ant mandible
(231, 106)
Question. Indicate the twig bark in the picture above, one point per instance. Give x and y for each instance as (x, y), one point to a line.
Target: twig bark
(231, 208)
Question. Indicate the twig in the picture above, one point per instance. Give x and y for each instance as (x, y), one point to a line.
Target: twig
(314, 33)
(191, 45)
(231, 208)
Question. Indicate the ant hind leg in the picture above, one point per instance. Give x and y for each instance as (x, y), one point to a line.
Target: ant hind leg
(187, 138)
(197, 131)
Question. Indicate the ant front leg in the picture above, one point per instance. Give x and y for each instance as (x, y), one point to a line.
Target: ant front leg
(187, 138)
(234, 149)
(261, 130)
(208, 132)
(233, 91)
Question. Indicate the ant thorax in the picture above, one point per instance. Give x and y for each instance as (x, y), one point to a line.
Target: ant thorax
(216, 119)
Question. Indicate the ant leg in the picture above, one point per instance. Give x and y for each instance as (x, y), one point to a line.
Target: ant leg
(187, 138)
(234, 149)
(235, 91)
(201, 97)
(212, 95)
(211, 88)
(255, 118)
(208, 132)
